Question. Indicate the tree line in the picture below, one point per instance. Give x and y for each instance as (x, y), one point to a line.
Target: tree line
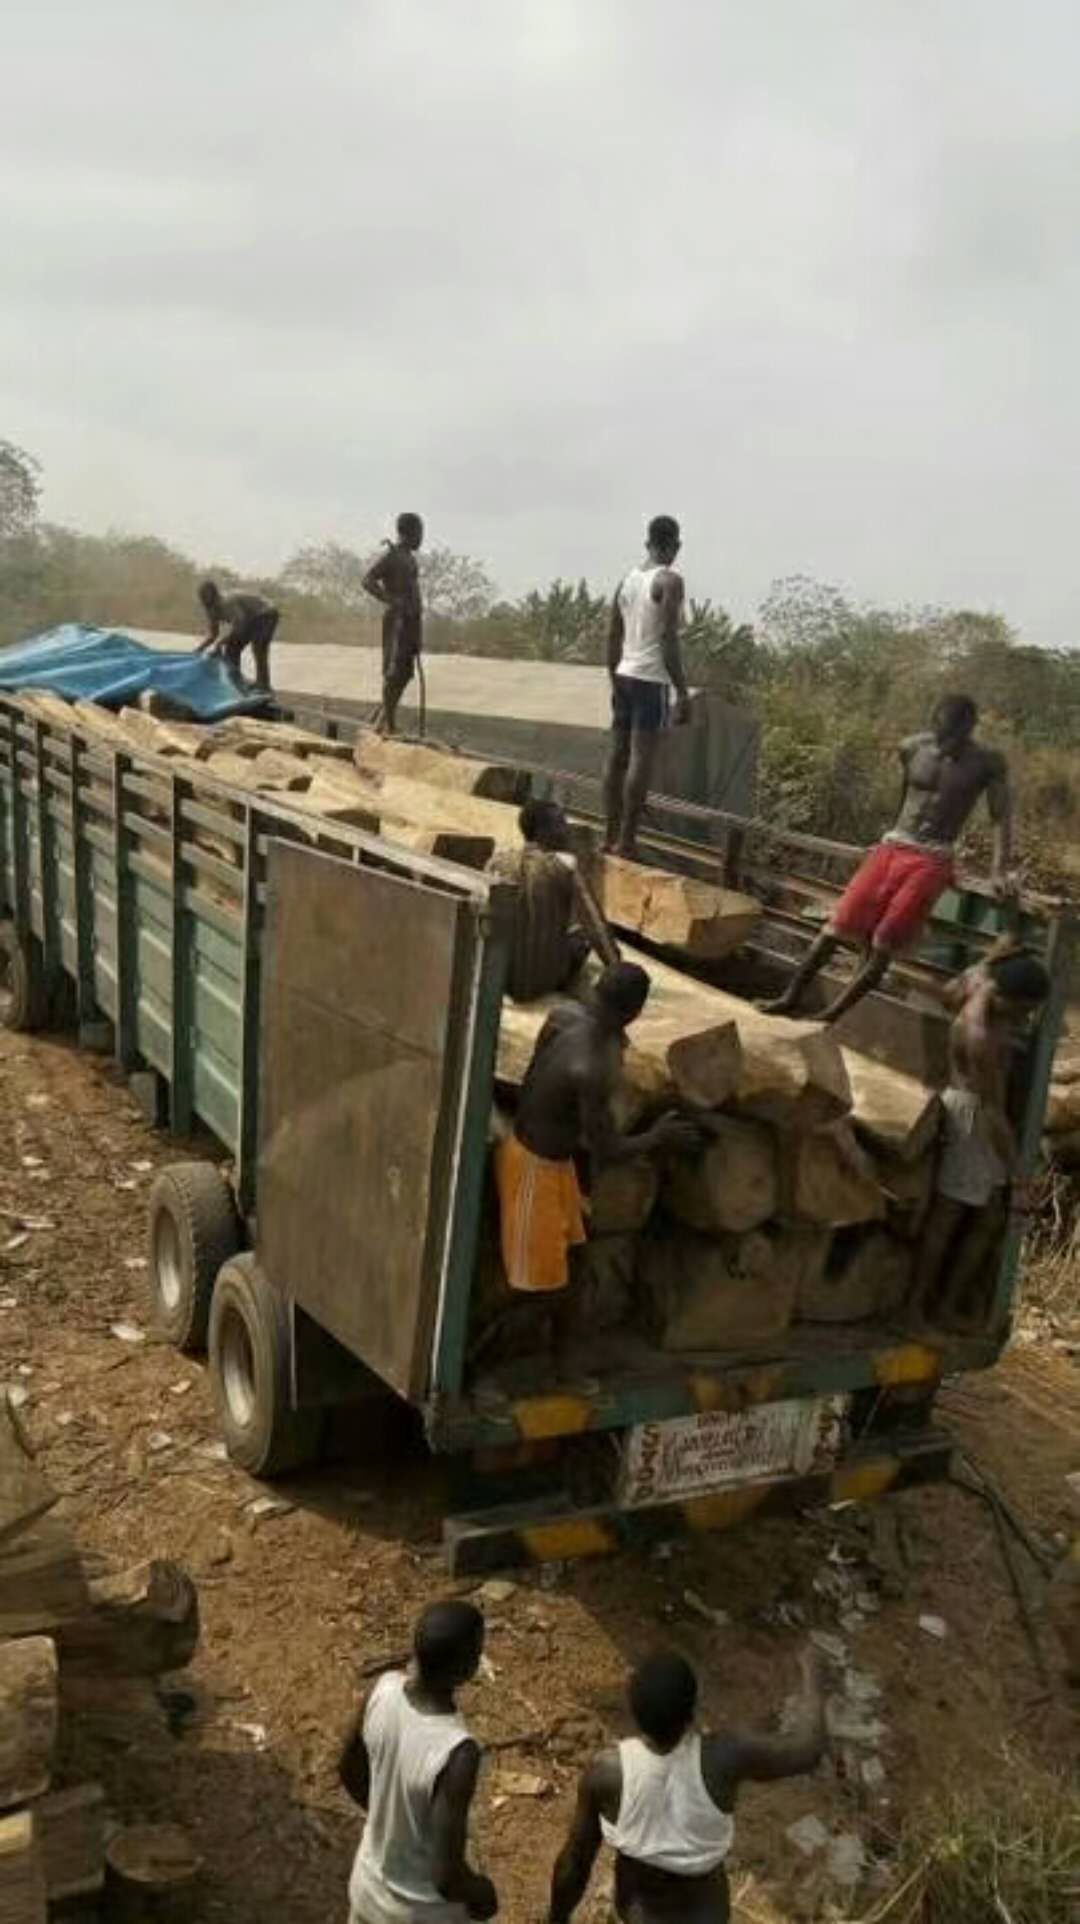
(834, 683)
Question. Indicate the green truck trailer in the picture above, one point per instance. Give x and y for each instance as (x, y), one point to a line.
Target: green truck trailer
(325, 1005)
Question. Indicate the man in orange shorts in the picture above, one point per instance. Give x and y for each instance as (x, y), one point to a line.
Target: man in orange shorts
(888, 901)
(565, 1105)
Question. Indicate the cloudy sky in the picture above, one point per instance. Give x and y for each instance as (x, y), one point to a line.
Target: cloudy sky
(804, 272)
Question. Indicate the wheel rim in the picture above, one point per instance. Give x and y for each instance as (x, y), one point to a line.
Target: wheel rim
(7, 985)
(167, 1266)
(237, 1369)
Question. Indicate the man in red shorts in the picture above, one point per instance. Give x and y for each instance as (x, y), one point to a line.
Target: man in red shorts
(889, 899)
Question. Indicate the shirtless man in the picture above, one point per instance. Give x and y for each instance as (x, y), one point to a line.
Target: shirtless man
(565, 1105)
(410, 1763)
(888, 901)
(394, 579)
(549, 943)
(644, 661)
(980, 1155)
(251, 622)
(665, 1800)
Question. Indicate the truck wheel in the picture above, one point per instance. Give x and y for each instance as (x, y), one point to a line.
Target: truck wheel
(250, 1374)
(23, 1001)
(192, 1228)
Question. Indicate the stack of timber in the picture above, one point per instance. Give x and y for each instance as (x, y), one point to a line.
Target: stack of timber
(1063, 1106)
(68, 1642)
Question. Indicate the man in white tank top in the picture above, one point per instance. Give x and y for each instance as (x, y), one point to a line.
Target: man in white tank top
(410, 1763)
(645, 663)
(665, 1800)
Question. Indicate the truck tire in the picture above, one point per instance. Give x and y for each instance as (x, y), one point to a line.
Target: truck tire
(192, 1228)
(24, 1005)
(250, 1375)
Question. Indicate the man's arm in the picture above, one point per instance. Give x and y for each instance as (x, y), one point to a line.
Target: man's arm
(616, 633)
(455, 1880)
(762, 1760)
(671, 1134)
(999, 802)
(354, 1764)
(983, 1049)
(668, 590)
(210, 639)
(375, 582)
(573, 1866)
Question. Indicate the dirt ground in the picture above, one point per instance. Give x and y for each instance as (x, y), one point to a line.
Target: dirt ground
(296, 1602)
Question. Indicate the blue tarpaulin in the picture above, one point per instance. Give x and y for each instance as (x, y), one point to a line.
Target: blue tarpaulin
(102, 665)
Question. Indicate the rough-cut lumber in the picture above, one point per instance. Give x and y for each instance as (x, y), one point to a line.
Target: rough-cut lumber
(22, 1874)
(147, 1861)
(28, 1718)
(668, 1054)
(827, 1178)
(285, 770)
(70, 1827)
(427, 807)
(898, 1115)
(248, 735)
(867, 1277)
(711, 1293)
(908, 1188)
(140, 1622)
(674, 911)
(622, 1197)
(25, 1495)
(733, 1184)
(1063, 1108)
(42, 1582)
(157, 737)
(439, 767)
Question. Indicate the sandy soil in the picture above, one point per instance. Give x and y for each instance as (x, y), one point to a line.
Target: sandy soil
(295, 1603)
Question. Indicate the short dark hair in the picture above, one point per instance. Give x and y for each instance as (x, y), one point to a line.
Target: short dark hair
(538, 815)
(622, 990)
(663, 1696)
(209, 593)
(1021, 977)
(447, 1642)
(409, 523)
(663, 531)
(956, 711)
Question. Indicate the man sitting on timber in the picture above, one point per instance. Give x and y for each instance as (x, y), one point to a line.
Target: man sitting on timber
(410, 1763)
(565, 1105)
(889, 899)
(549, 945)
(665, 1800)
(394, 579)
(980, 1156)
(644, 661)
(251, 622)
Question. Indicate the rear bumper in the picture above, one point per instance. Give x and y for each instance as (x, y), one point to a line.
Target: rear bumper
(486, 1540)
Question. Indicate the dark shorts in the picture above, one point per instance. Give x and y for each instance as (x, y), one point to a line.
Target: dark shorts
(638, 705)
(400, 648)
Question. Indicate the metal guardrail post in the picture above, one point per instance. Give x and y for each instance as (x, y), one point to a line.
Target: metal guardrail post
(127, 959)
(247, 1135)
(48, 881)
(181, 1095)
(85, 996)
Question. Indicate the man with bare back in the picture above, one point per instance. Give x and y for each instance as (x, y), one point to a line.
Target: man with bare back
(394, 579)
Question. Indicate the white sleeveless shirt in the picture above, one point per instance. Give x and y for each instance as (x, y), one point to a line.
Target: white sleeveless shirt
(666, 1817)
(643, 625)
(392, 1880)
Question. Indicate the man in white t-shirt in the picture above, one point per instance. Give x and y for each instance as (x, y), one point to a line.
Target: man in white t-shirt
(645, 663)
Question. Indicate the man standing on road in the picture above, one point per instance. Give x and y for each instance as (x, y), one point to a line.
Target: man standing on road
(888, 901)
(410, 1763)
(665, 1800)
(549, 943)
(394, 579)
(645, 663)
(251, 622)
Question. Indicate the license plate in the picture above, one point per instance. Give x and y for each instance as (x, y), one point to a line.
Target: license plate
(689, 1455)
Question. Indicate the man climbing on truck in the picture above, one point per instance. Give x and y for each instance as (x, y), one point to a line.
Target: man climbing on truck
(394, 579)
(251, 622)
(565, 1106)
(410, 1763)
(665, 1800)
(556, 921)
(645, 662)
(888, 901)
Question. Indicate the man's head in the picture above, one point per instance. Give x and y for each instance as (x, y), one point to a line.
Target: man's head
(953, 720)
(410, 530)
(662, 538)
(663, 1698)
(447, 1642)
(1020, 983)
(620, 994)
(544, 825)
(210, 596)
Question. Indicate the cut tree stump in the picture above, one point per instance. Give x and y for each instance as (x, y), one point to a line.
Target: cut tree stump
(28, 1718)
(70, 1827)
(440, 768)
(42, 1583)
(25, 1495)
(699, 919)
(827, 1178)
(140, 1622)
(622, 1197)
(146, 1865)
(716, 1293)
(733, 1184)
(897, 1115)
(22, 1873)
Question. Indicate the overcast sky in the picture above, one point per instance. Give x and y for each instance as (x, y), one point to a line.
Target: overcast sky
(805, 273)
